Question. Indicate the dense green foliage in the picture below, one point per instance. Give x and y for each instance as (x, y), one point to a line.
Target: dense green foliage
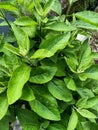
(48, 77)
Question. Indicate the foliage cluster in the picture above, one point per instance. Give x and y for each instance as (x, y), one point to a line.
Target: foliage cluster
(48, 78)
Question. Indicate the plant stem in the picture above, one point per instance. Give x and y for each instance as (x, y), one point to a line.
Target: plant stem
(5, 18)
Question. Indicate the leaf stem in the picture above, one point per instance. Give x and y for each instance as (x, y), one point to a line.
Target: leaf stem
(28, 59)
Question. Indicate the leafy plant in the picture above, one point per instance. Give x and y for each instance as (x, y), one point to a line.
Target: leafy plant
(48, 78)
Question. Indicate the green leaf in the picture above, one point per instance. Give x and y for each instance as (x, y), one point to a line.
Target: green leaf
(1, 16)
(41, 53)
(45, 105)
(48, 7)
(87, 125)
(81, 102)
(28, 119)
(8, 6)
(57, 8)
(45, 124)
(84, 25)
(10, 38)
(95, 55)
(22, 39)
(5, 70)
(72, 1)
(88, 16)
(38, 7)
(58, 42)
(3, 23)
(25, 21)
(56, 126)
(2, 89)
(85, 57)
(11, 61)
(16, 83)
(60, 64)
(79, 126)
(3, 105)
(85, 92)
(70, 84)
(44, 111)
(27, 94)
(72, 62)
(30, 30)
(12, 49)
(91, 102)
(58, 89)
(73, 121)
(42, 74)
(19, 1)
(60, 26)
(91, 73)
(4, 123)
(87, 114)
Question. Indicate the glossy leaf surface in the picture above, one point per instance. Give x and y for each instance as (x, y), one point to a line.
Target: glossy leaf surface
(27, 94)
(73, 120)
(60, 26)
(42, 74)
(70, 83)
(16, 83)
(22, 39)
(3, 105)
(58, 89)
(28, 119)
(44, 105)
(24, 21)
(87, 114)
(88, 16)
